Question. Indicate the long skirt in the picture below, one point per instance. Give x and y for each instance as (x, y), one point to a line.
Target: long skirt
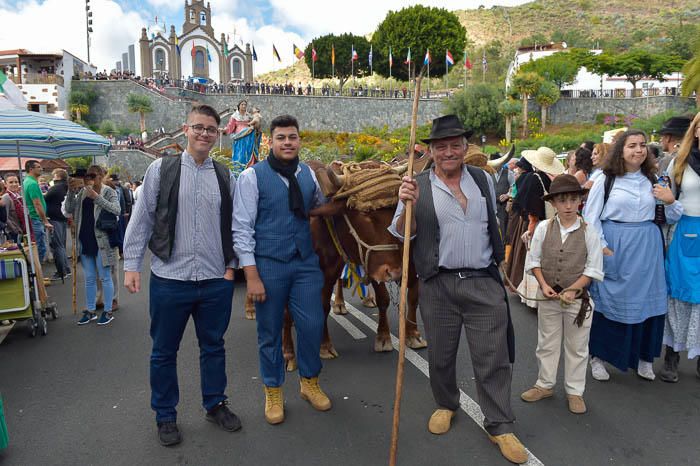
(515, 267)
(623, 345)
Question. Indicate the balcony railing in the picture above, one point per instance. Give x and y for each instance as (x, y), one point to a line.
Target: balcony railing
(39, 78)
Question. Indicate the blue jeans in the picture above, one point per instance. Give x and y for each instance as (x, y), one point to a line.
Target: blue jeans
(39, 237)
(92, 268)
(172, 302)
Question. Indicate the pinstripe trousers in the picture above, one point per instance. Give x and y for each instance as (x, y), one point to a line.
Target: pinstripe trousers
(448, 303)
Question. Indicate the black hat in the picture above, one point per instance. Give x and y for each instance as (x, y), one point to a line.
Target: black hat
(114, 177)
(676, 126)
(447, 126)
(564, 183)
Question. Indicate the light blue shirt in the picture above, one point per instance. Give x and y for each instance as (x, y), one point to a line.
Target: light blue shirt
(197, 252)
(631, 200)
(245, 212)
(464, 236)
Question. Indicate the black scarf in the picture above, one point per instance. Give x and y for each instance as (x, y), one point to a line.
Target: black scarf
(288, 170)
(694, 159)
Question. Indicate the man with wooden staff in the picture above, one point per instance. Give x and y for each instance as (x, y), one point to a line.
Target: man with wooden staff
(456, 250)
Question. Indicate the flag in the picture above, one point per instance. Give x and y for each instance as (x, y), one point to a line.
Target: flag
(391, 59)
(484, 64)
(427, 59)
(467, 63)
(225, 49)
(275, 54)
(333, 54)
(354, 54)
(177, 45)
(194, 52)
(370, 56)
(314, 55)
(449, 61)
(13, 97)
(298, 52)
(208, 54)
(255, 54)
(408, 57)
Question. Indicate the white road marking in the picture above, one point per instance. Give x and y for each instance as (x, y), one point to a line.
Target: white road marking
(467, 404)
(349, 327)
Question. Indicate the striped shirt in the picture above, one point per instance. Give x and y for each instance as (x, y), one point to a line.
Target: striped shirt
(197, 252)
(464, 237)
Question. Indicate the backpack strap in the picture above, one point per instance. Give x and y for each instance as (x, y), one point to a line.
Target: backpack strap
(609, 182)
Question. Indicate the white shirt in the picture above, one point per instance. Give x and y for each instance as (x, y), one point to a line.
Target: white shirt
(690, 190)
(594, 259)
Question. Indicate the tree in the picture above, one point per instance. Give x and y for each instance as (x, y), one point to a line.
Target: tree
(560, 68)
(509, 108)
(691, 82)
(141, 104)
(343, 44)
(527, 84)
(546, 96)
(636, 65)
(477, 107)
(79, 103)
(419, 28)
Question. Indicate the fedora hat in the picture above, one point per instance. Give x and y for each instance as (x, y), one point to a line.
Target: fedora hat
(447, 126)
(544, 159)
(676, 126)
(564, 184)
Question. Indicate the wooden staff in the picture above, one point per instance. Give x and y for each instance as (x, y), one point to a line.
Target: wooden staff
(74, 261)
(404, 281)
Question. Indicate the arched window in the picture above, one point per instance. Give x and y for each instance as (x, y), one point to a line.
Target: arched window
(237, 69)
(203, 19)
(160, 60)
(192, 16)
(199, 60)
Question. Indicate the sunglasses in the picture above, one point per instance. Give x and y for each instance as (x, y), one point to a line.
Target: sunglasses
(90, 176)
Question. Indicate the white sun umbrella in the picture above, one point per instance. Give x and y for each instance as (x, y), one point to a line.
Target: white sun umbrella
(40, 136)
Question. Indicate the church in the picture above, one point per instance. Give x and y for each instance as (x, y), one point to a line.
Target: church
(196, 53)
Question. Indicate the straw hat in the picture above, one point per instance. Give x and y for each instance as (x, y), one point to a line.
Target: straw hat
(544, 159)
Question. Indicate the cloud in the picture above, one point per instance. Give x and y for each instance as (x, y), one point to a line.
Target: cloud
(62, 26)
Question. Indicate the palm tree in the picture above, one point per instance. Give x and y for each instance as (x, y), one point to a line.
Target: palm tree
(691, 82)
(547, 95)
(141, 104)
(526, 84)
(509, 108)
(79, 104)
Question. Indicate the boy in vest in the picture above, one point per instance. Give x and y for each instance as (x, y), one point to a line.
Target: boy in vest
(272, 238)
(565, 255)
(184, 215)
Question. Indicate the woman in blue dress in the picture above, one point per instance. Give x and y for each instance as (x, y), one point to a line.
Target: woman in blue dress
(631, 302)
(682, 331)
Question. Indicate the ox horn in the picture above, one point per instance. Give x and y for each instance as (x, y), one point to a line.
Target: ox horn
(335, 179)
(498, 163)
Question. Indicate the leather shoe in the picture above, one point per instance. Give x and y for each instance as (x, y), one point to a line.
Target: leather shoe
(510, 447)
(536, 394)
(576, 404)
(440, 421)
(224, 417)
(168, 434)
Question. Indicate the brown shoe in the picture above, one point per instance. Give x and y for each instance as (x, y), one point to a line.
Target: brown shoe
(311, 392)
(510, 447)
(274, 405)
(440, 421)
(115, 305)
(576, 404)
(536, 394)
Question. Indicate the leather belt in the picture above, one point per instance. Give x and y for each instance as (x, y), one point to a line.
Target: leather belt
(466, 272)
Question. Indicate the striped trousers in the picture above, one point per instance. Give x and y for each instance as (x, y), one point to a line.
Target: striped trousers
(449, 303)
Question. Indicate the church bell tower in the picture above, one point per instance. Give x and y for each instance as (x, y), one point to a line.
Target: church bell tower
(197, 14)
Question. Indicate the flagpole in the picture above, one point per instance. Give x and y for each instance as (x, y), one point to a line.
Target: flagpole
(465, 68)
(352, 64)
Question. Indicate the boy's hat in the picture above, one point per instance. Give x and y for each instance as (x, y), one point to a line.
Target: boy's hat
(564, 184)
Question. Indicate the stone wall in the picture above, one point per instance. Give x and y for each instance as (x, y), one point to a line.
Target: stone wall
(585, 110)
(132, 163)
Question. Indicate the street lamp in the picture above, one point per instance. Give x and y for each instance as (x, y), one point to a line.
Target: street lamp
(483, 141)
(88, 27)
(653, 135)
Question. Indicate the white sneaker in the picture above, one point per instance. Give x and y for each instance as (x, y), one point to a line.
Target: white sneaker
(645, 370)
(598, 370)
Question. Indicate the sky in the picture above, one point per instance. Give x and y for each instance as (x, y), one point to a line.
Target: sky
(52, 25)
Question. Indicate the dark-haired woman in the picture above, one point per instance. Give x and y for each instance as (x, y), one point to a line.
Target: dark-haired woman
(628, 321)
(682, 331)
(11, 201)
(584, 165)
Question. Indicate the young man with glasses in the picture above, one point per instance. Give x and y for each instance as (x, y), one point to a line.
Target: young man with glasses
(36, 206)
(181, 202)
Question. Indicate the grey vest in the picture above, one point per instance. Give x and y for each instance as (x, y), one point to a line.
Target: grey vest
(163, 236)
(427, 242)
(563, 264)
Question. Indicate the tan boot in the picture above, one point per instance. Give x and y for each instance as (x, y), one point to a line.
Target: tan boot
(274, 405)
(311, 392)
(576, 404)
(510, 447)
(536, 394)
(440, 421)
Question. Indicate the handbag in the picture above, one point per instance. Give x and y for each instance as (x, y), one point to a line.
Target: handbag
(107, 221)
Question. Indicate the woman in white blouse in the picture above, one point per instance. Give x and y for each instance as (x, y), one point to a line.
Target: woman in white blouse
(630, 303)
(682, 331)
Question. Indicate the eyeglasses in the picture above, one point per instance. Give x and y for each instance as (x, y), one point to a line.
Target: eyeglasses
(200, 129)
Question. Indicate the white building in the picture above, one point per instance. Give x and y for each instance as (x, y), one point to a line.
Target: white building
(589, 84)
(44, 78)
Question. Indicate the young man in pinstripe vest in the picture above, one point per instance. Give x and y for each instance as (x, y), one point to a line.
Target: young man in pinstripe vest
(456, 249)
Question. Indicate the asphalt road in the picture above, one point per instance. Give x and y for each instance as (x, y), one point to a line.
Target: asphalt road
(80, 396)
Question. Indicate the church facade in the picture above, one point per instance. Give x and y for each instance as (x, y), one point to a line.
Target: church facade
(196, 53)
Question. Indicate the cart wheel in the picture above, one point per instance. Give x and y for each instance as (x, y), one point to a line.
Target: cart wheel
(32, 327)
(43, 327)
(51, 311)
